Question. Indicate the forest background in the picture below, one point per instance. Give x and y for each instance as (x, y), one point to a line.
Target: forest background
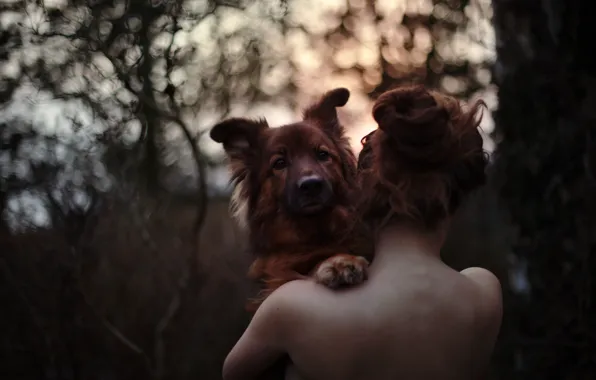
(118, 259)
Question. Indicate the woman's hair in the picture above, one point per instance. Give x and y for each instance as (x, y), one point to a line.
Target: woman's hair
(422, 161)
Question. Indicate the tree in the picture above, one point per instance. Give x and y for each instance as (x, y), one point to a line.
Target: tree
(120, 94)
(545, 172)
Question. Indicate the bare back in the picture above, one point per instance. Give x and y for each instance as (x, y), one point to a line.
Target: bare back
(417, 319)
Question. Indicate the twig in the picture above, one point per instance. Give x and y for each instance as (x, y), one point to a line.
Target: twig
(117, 333)
(159, 330)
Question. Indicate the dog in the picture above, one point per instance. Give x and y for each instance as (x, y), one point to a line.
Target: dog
(294, 192)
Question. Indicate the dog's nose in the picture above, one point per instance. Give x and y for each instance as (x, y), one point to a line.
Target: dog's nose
(310, 185)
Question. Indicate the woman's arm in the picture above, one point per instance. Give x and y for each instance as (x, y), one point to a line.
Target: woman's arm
(263, 342)
(490, 315)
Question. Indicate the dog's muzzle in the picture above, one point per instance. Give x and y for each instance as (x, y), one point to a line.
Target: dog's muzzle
(310, 195)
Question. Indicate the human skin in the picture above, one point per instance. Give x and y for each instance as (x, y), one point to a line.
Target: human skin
(415, 318)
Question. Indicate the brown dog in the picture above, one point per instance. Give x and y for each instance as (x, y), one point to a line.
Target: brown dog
(294, 190)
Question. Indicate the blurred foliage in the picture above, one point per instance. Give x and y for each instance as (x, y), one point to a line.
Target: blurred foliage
(112, 264)
(154, 75)
(545, 175)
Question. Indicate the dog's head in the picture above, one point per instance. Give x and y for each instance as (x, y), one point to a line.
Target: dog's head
(292, 178)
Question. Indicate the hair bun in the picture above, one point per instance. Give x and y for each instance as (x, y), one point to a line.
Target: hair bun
(423, 160)
(417, 126)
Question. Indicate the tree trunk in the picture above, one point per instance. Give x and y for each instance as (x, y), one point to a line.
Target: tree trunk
(545, 172)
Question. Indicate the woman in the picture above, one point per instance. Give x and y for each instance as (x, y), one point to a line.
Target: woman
(415, 318)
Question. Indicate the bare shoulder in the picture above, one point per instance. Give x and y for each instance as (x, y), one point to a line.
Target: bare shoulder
(290, 301)
(484, 278)
(489, 290)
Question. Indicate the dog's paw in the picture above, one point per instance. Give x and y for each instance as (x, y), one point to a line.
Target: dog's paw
(341, 270)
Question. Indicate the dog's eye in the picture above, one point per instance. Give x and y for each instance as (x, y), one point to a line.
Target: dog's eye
(279, 164)
(322, 155)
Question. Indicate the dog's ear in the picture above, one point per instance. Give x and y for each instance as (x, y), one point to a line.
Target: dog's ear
(239, 136)
(324, 111)
(324, 115)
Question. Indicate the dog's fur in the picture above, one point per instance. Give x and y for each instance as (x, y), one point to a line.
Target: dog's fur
(293, 233)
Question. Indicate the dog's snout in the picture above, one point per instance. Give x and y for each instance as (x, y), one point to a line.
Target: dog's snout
(310, 185)
(309, 195)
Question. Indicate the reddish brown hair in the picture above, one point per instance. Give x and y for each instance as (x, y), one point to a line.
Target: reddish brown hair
(423, 160)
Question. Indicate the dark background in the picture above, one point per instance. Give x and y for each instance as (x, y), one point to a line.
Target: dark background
(118, 259)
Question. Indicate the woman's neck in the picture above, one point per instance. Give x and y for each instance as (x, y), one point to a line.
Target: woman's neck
(396, 241)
